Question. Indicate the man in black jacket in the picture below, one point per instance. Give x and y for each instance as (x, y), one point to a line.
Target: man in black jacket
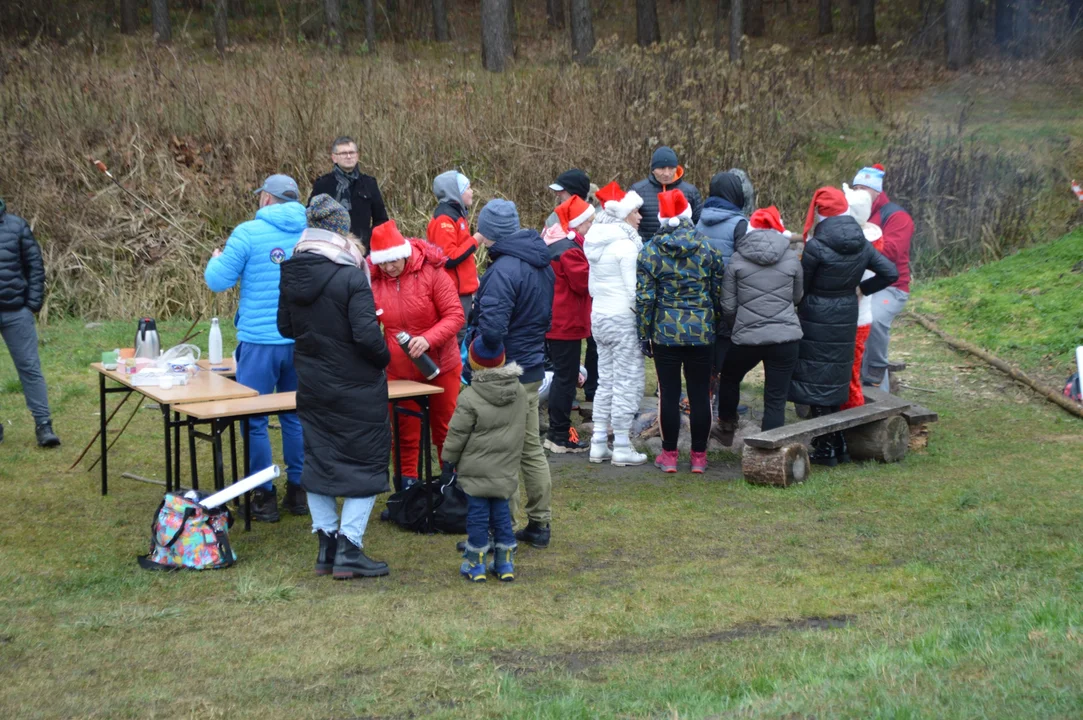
(22, 292)
(352, 189)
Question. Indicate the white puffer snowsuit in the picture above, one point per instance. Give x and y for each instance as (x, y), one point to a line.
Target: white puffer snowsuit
(611, 247)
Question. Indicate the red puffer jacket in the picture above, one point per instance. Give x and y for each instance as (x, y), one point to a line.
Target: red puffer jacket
(571, 296)
(422, 301)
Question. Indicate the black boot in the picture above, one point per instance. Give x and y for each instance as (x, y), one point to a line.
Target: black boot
(296, 502)
(46, 437)
(265, 505)
(535, 533)
(351, 562)
(325, 558)
(822, 452)
(842, 452)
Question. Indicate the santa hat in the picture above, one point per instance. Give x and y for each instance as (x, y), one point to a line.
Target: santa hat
(826, 202)
(672, 206)
(871, 177)
(572, 213)
(618, 203)
(769, 219)
(483, 357)
(387, 244)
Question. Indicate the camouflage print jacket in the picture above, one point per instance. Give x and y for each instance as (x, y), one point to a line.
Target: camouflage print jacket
(678, 288)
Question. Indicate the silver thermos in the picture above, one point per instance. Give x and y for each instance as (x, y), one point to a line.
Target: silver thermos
(147, 344)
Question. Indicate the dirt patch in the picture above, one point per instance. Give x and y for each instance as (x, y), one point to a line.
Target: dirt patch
(524, 662)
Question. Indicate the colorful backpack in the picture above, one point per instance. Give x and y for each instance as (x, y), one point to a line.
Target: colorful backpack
(187, 535)
(1072, 388)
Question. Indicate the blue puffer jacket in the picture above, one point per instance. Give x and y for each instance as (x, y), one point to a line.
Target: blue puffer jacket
(719, 223)
(514, 303)
(253, 255)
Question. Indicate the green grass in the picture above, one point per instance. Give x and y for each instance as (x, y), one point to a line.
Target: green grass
(945, 586)
(1028, 308)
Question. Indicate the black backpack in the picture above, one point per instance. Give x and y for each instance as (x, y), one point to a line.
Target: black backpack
(409, 508)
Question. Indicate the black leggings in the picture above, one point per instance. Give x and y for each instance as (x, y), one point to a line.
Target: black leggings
(696, 361)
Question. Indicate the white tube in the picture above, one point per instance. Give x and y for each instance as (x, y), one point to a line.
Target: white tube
(240, 487)
(1079, 362)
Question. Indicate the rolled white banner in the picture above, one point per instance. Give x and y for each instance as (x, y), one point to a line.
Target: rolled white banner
(1079, 361)
(240, 487)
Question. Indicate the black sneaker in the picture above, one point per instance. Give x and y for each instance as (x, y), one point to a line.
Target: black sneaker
(265, 506)
(535, 534)
(46, 437)
(569, 444)
(296, 502)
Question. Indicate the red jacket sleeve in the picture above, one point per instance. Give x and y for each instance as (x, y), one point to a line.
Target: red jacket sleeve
(897, 234)
(444, 232)
(576, 271)
(449, 310)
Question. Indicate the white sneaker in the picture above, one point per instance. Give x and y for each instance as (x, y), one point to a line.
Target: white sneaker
(599, 451)
(626, 455)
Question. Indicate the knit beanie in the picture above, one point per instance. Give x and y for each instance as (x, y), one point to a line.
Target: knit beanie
(672, 206)
(498, 219)
(871, 177)
(483, 357)
(663, 157)
(326, 214)
(387, 244)
(768, 219)
(573, 212)
(826, 202)
(618, 203)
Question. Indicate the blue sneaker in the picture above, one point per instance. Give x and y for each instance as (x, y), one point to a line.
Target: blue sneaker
(503, 565)
(473, 567)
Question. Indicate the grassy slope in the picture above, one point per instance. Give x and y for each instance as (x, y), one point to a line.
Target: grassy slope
(1028, 308)
(952, 578)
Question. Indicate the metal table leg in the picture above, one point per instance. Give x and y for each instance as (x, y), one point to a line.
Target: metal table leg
(168, 449)
(426, 444)
(247, 472)
(192, 452)
(177, 450)
(398, 445)
(102, 421)
(216, 444)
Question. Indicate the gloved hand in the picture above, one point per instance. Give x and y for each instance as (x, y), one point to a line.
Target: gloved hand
(447, 472)
(645, 348)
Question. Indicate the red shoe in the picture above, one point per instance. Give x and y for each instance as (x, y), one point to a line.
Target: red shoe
(699, 462)
(666, 461)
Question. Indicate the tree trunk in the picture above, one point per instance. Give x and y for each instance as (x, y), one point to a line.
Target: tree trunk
(866, 22)
(513, 29)
(129, 16)
(1022, 25)
(958, 35)
(221, 26)
(1075, 13)
(439, 20)
(826, 21)
(495, 43)
(721, 11)
(691, 8)
(582, 30)
(647, 22)
(1004, 22)
(370, 25)
(736, 25)
(159, 20)
(554, 13)
(332, 15)
(755, 23)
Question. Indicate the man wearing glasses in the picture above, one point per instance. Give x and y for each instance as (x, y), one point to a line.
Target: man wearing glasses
(352, 189)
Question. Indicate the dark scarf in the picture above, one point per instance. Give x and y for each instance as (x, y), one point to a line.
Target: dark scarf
(343, 181)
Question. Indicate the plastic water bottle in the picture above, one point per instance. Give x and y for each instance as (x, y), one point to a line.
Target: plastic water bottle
(214, 351)
(424, 363)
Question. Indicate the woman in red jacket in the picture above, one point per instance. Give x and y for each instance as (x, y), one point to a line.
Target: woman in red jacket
(416, 295)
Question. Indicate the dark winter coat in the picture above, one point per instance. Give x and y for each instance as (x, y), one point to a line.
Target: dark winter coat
(22, 273)
(363, 200)
(763, 283)
(835, 258)
(678, 288)
(515, 301)
(648, 189)
(486, 434)
(340, 356)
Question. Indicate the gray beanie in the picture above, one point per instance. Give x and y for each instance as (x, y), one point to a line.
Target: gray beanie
(498, 219)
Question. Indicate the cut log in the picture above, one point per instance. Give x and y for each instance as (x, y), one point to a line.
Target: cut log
(782, 467)
(885, 440)
(919, 437)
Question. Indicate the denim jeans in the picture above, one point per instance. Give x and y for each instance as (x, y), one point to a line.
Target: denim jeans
(484, 513)
(21, 337)
(886, 304)
(268, 369)
(355, 516)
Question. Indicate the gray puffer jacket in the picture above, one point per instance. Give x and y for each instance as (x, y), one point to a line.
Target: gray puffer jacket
(762, 284)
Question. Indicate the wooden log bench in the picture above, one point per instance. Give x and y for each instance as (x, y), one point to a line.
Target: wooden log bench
(917, 417)
(877, 430)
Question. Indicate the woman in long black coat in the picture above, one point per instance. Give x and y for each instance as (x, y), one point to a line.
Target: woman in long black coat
(326, 306)
(835, 258)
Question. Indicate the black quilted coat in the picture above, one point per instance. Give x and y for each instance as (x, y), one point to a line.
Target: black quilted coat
(22, 273)
(835, 258)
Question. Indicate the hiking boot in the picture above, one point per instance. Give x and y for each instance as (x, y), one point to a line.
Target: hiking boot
(599, 451)
(842, 451)
(503, 565)
(296, 502)
(666, 461)
(724, 431)
(569, 444)
(325, 558)
(822, 452)
(535, 534)
(46, 437)
(473, 567)
(265, 505)
(351, 562)
(699, 462)
(626, 456)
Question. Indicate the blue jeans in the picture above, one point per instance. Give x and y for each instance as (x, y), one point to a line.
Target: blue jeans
(268, 369)
(484, 513)
(355, 516)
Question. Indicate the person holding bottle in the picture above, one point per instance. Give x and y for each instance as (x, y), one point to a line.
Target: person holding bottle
(417, 296)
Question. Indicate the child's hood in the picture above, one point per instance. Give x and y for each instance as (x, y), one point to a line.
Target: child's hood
(499, 386)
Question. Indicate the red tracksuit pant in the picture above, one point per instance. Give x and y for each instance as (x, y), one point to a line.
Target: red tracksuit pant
(441, 408)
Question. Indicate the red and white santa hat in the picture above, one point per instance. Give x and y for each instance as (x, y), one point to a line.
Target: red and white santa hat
(572, 213)
(618, 203)
(769, 219)
(387, 244)
(672, 207)
(826, 202)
